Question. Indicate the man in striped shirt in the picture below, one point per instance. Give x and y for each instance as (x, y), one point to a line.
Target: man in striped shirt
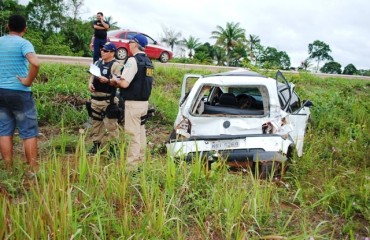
(19, 67)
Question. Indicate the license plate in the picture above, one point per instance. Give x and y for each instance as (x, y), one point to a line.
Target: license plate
(225, 144)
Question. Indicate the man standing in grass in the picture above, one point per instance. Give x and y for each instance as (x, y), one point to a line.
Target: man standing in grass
(136, 85)
(103, 94)
(17, 106)
(100, 34)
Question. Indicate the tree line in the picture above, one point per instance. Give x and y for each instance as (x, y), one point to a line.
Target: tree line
(55, 27)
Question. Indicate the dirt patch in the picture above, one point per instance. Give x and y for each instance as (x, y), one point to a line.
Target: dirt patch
(52, 136)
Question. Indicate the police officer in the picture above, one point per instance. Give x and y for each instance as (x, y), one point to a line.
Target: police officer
(135, 87)
(105, 127)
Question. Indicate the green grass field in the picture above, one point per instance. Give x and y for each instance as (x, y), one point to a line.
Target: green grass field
(324, 195)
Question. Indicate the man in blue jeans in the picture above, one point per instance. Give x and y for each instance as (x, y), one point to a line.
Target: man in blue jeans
(17, 106)
(100, 34)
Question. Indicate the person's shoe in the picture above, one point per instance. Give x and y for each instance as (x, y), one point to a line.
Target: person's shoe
(95, 148)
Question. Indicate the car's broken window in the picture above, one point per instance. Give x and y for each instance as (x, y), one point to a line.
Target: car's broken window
(230, 100)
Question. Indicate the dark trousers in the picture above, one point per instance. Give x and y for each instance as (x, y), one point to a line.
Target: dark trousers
(98, 43)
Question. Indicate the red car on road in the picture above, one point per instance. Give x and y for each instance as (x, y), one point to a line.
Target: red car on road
(154, 51)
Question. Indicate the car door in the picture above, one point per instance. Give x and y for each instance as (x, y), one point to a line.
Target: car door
(187, 84)
(297, 115)
(299, 120)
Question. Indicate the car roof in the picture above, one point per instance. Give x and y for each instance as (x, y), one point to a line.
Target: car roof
(238, 72)
(237, 77)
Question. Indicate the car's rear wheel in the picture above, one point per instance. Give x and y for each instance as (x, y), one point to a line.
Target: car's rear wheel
(121, 54)
(270, 170)
(164, 57)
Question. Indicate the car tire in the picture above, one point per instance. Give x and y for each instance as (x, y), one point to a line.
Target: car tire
(164, 57)
(121, 54)
(271, 170)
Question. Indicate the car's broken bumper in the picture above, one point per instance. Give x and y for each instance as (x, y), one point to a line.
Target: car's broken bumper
(251, 148)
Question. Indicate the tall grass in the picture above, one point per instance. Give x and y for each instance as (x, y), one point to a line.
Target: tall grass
(324, 195)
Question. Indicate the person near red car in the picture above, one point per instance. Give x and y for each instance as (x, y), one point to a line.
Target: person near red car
(135, 88)
(101, 27)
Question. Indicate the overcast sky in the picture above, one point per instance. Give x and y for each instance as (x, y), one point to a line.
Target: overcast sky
(288, 25)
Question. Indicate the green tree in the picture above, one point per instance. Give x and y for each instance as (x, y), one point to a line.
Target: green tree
(258, 51)
(48, 16)
(238, 54)
(331, 67)
(271, 57)
(363, 72)
(252, 41)
(206, 48)
(77, 35)
(191, 43)
(219, 55)
(202, 57)
(74, 8)
(229, 37)
(171, 37)
(305, 64)
(350, 69)
(320, 51)
(7, 8)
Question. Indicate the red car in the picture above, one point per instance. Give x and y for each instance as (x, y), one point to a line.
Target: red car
(154, 51)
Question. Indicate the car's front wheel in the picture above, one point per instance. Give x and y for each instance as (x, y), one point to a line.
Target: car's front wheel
(164, 57)
(121, 54)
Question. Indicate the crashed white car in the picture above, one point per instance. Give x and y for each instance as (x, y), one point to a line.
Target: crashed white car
(240, 117)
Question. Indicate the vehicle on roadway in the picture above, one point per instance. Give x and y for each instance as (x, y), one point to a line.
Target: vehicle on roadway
(154, 50)
(245, 119)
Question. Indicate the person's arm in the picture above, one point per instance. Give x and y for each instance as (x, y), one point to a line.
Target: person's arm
(92, 43)
(99, 27)
(91, 85)
(33, 70)
(105, 24)
(116, 73)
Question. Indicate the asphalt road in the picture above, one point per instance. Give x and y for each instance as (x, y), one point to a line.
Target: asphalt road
(85, 61)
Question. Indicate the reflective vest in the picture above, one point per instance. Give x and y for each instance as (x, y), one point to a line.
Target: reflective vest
(141, 86)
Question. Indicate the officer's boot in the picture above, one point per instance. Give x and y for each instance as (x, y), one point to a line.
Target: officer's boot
(95, 148)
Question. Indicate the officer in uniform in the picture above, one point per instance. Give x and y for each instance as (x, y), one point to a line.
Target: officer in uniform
(135, 88)
(103, 97)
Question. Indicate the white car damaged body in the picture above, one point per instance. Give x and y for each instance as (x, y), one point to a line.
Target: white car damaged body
(239, 116)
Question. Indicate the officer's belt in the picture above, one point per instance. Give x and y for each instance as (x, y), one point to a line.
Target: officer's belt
(100, 98)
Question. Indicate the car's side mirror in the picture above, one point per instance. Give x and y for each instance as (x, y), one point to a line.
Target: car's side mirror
(307, 103)
(155, 42)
